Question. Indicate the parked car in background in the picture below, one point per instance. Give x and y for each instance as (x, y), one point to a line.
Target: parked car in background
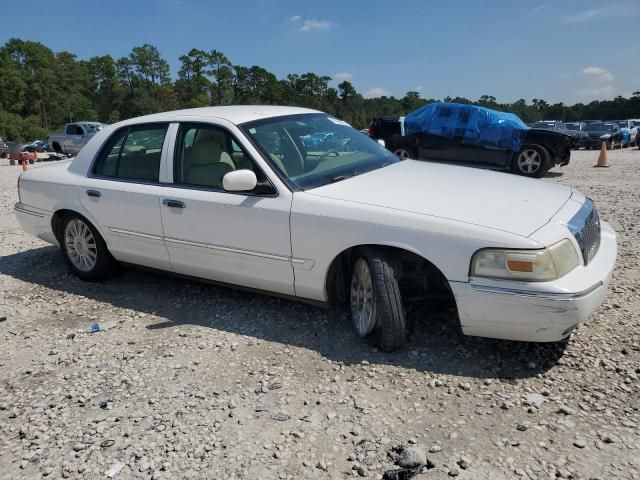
(230, 194)
(476, 135)
(579, 137)
(608, 133)
(574, 125)
(632, 126)
(74, 137)
(36, 146)
(4, 148)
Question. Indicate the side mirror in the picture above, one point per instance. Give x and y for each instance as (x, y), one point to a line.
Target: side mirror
(382, 143)
(239, 181)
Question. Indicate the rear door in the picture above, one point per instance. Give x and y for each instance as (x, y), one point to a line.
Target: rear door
(122, 193)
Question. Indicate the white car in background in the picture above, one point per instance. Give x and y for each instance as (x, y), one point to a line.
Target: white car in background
(632, 126)
(230, 194)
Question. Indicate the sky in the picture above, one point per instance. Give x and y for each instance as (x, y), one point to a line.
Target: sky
(561, 50)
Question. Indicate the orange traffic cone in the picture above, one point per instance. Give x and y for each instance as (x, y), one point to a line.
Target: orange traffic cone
(602, 158)
(25, 164)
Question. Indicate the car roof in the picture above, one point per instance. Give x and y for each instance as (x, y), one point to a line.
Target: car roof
(235, 114)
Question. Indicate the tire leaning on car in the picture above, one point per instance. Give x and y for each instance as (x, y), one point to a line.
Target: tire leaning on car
(84, 249)
(376, 303)
(531, 161)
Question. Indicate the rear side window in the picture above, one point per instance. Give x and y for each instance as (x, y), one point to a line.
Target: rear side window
(132, 154)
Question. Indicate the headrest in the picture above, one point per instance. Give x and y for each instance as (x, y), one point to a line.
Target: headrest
(205, 152)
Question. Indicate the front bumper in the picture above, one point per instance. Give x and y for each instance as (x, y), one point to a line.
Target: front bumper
(537, 312)
(595, 142)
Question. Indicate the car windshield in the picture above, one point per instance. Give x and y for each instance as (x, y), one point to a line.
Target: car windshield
(315, 149)
(572, 126)
(598, 127)
(92, 127)
(622, 123)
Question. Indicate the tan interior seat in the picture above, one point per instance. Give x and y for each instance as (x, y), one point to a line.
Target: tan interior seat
(207, 161)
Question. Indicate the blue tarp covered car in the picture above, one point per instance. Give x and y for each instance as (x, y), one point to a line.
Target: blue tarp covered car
(474, 125)
(472, 134)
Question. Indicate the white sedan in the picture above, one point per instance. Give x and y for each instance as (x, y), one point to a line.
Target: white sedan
(235, 196)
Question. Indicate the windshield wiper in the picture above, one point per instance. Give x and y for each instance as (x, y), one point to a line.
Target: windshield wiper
(337, 178)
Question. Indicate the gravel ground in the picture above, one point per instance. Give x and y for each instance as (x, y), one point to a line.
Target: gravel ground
(197, 381)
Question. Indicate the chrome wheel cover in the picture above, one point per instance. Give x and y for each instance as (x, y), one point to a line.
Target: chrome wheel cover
(80, 245)
(362, 308)
(529, 161)
(402, 154)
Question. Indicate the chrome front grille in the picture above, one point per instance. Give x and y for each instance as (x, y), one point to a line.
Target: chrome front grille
(585, 227)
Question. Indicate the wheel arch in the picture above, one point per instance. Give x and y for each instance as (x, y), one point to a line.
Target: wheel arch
(58, 215)
(338, 275)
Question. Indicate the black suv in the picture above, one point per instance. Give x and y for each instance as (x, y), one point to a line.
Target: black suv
(383, 128)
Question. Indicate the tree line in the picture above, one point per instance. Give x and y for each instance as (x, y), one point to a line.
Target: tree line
(41, 90)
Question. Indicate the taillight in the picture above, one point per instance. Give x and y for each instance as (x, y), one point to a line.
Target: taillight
(370, 130)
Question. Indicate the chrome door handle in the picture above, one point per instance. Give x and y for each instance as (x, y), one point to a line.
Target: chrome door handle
(173, 203)
(93, 193)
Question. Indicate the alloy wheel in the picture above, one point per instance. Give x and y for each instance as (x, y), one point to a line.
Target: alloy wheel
(362, 299)
(529, 161)
(80, 245)
(402, 154)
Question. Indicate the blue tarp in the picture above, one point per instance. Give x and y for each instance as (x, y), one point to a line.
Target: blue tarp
(626, 136)
(476, 125)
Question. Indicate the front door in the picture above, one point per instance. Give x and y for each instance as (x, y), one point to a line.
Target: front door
(236, 238)
(122, 193)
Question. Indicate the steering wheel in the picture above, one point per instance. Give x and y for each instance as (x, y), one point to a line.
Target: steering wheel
(324, 156)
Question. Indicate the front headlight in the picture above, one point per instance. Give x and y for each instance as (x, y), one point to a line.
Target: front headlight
(526, 265)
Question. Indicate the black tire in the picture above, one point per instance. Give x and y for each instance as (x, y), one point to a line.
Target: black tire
(543, 167)
(405, 152)
(610, 145)
(12, 162)
(389, 324)
(56, 147)
(105, 265)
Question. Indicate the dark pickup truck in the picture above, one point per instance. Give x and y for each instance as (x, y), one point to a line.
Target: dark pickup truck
(537, 153)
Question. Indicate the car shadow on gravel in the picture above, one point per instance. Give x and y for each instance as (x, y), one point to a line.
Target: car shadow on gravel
(436, 345)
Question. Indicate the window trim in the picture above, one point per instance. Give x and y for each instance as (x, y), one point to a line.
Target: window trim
(91, 172)
(171, 166)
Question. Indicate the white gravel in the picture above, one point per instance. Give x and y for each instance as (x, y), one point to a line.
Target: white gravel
(196, 381)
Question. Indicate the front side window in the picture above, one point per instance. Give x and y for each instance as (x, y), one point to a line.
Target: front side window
(74, 130)
(314, 149)
(206, 153)
(133, 154)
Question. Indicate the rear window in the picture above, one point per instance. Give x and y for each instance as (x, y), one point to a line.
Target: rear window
(132, 154)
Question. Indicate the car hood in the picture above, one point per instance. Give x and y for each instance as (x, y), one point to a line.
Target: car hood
(490, 199)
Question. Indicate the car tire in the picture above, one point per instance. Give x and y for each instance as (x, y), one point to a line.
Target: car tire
(531, 161)
(84, 250)
(404, 153)
(376, 303)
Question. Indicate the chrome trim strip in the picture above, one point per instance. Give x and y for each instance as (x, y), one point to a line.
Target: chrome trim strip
(533, 293)
(227, 249)
(28, 212)
(134, 234)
